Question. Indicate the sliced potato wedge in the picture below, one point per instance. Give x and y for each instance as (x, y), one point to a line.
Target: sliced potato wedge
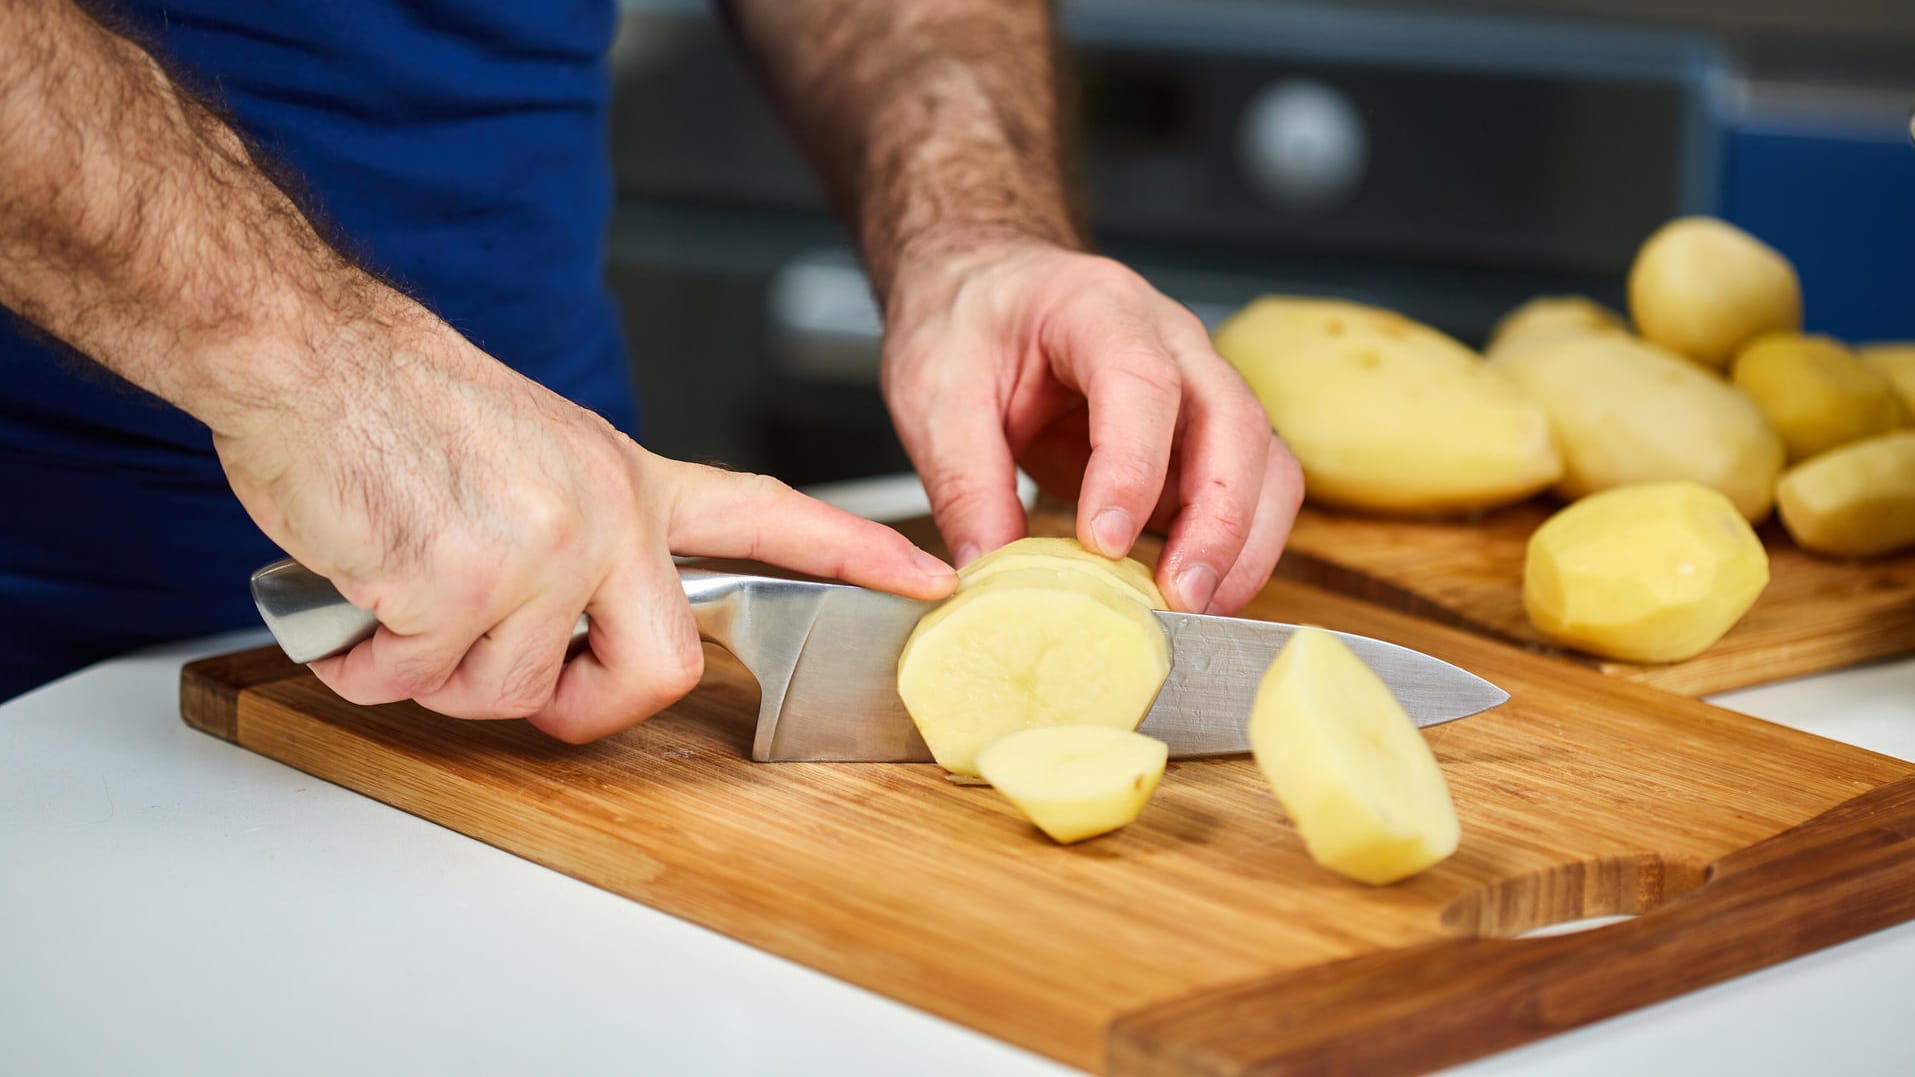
(1075, 781)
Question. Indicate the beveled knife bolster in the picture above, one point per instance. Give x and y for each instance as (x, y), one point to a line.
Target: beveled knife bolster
(1843, 874)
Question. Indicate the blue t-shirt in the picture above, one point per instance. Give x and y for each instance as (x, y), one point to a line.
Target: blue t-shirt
(459, 146)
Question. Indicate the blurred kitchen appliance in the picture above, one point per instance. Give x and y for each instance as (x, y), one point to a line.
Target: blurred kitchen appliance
(1444, 165)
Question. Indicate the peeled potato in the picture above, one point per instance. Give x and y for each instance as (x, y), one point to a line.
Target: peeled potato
(1349, 767)
(1655, 572)
(1703, 287)
(1626, 411)
(1064, 553)
(1075, 781)
(1548, 315)
(1815, 393)
(1896, 362)
(1855, 501)
(1385, 414)
(1027, 647)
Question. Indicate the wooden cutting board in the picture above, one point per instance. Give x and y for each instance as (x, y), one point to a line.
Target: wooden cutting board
(1201, 939)
(1816, 615)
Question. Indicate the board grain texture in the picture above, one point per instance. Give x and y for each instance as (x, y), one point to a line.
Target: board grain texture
(1816, 615)
(1201, 939)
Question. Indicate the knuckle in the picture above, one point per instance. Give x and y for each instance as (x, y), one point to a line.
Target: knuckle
(676, 671)
(526, 687)
(412, 675)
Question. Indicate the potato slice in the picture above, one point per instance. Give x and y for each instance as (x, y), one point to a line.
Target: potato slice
(1815, 393)
(1075, 781)
(1064, 553)
(1702, 288)
(1626, 411)
(1030, 647)
(1654, 572)
(1855, 501)
(1549, 315)
(1349, 767)
(1385, 414)
(1896, 361)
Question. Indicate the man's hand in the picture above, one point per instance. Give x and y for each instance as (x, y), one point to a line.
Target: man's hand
(477, 514)
(935, 125)
(1103, 390)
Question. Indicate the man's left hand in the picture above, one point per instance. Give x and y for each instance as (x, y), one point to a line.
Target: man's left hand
(1022, 353)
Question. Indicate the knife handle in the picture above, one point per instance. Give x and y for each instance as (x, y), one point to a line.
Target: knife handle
(311, 620)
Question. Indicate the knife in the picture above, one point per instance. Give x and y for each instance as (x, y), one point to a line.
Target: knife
(826, 659)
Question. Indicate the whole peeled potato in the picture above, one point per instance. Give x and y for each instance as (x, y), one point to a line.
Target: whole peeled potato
(1547, 315)
(1650, 572)
(1626, 411)
(1815, 392)
(1386, 414)
(1896, 361)
(1702, 288)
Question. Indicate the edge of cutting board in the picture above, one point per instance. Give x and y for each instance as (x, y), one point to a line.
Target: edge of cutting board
(1846, 873)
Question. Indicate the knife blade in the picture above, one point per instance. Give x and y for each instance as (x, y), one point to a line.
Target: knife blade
(825, 656)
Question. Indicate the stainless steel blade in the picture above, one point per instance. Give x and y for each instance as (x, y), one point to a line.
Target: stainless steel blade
(841, 702)
(1217, 662)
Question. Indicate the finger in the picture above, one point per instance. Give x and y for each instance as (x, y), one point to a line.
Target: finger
(961, 456)
(644, 655)
(1276, 511)
(390, 666)
(725, 514)
(512, 670)
(1134, 391)
(1226, 446)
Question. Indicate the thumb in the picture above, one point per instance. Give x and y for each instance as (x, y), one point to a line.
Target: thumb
(728, 514)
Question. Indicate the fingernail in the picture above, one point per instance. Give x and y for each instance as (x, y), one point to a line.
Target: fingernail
(931, 566)
(1112, 530)
(1196, 586)
(966, 554)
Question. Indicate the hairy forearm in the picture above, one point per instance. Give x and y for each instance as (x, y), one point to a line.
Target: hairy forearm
(934, 122)
(136, 226)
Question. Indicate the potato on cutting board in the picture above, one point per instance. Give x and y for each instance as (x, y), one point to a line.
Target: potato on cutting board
(1033, 637)
(1896, 361)
(1651, 572)
(1385, 414)
(1626, 411)
(1548, 315)
(1075, 781)
(1815, 392)
(1349, 767)
(1702, 288)
(1855, 501)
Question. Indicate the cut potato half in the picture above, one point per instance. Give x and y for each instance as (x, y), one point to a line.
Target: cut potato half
(1064, 553)
(1028, 647)
(1347, 764)
(1075, 781)
(1653, 572)
(1855, 501)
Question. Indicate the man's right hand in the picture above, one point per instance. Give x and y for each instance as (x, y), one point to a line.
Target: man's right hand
(476, 514)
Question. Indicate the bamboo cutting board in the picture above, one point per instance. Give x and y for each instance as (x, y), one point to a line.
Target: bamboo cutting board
(1816, 614)
(1201, 939)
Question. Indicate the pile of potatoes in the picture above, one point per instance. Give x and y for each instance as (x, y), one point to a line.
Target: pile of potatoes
(1713, 412)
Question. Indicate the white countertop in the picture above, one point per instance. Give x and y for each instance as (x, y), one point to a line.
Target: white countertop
(170, 903)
